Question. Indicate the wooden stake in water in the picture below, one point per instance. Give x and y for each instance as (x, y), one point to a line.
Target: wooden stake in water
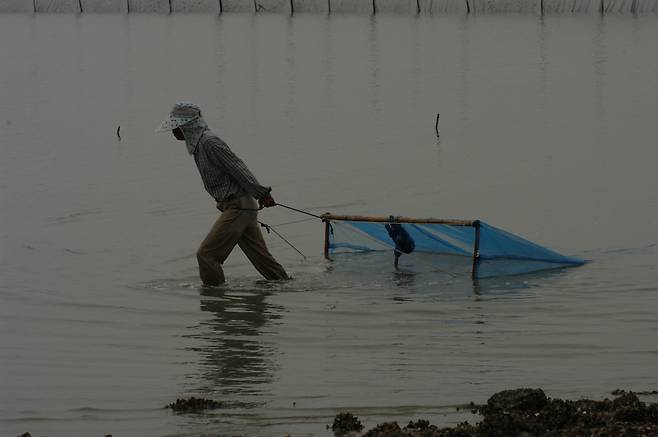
(80, 6)
(436, 125)
(127, 6)
(542, 7)
(221, 7)
(170, 6)
(329, 5)
(602, 8)
(417, 6)
(468, 7)
(34, 6)
(292, 7)
(374, 7)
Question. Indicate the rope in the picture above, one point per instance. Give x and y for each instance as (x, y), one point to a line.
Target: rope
(269, 228)
(285, 206)
(301, 211)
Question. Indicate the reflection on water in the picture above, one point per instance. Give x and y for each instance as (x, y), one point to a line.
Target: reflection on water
(234, 359)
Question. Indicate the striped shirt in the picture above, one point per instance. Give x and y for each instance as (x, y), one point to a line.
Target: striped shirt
(224, 175)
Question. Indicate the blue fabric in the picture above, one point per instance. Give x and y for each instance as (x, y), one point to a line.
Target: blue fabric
(501, 252)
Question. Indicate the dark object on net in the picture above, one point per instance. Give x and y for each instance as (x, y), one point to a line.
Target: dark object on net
(403, 241)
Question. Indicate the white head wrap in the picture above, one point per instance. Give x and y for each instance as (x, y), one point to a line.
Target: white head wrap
(186, 116)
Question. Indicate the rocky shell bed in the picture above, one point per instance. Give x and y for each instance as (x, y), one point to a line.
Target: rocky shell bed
(529, 413)
(523, 412)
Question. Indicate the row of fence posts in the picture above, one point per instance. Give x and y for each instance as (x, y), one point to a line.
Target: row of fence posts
(258, 7)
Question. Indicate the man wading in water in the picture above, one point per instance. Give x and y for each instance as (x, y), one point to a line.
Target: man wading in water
(228, 180)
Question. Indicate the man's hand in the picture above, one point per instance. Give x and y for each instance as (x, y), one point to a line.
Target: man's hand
(267, 201)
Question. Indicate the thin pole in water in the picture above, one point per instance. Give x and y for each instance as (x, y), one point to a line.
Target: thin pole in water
(542, 7)
(374, 7)
(329, 5)
(602, 8)
(476, 249)
(34, 6)
(80, 6)
(634, 7)
(127, 6)
(221, 7)
(292, 7)
(170, 6)
(436, 125)
(468, 7)
(417, 6)
(327, 226)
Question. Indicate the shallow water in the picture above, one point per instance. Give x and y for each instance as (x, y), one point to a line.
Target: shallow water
(547, 130)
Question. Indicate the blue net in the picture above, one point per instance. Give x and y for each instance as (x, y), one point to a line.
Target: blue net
(499, 253)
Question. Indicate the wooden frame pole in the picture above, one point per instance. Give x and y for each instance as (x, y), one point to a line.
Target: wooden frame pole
(476, 250)
(361, 218)
(327, 226)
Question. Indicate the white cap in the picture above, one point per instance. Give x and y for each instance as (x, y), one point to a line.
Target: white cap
(181, 114)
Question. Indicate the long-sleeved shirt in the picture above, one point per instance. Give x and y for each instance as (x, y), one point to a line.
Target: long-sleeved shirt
(225, 175)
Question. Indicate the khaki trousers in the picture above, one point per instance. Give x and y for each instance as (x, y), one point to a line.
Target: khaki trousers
(236, 226)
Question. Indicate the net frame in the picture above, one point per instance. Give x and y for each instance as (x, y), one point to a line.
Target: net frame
(328, 218)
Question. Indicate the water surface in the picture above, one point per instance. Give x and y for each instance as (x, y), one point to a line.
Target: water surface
(547, 130)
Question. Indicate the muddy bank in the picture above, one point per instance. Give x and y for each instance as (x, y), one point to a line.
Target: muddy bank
(529, 413)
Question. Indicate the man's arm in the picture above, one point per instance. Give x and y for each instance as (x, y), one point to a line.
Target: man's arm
(221, 155)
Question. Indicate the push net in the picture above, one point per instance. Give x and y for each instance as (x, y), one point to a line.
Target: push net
(485, 250)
